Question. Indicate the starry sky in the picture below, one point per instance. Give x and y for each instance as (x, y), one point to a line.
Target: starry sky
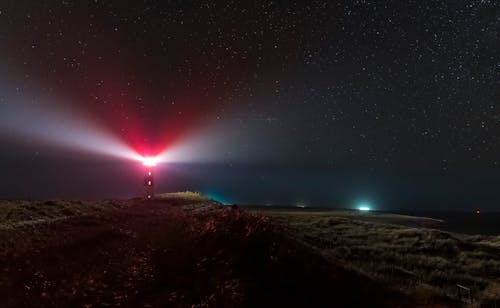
(329, 103)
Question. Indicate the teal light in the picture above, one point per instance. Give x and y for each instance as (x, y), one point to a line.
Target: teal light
(216, 197)
(364, 207)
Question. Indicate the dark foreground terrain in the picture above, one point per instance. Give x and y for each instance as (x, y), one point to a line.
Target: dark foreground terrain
(171, 252)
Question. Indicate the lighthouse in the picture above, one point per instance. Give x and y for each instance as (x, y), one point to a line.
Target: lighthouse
(149, 178)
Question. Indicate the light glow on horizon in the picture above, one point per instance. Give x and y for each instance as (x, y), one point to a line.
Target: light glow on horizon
(364, 207)
(55, 123)
(232, 140)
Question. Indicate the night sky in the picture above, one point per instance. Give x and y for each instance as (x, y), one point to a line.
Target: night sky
(331, 103)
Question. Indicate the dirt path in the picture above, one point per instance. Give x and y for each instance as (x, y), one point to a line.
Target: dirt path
(157, 254)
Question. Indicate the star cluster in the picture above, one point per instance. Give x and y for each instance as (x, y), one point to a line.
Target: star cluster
(371, 86)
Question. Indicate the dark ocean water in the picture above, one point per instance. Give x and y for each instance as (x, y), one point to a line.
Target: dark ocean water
(485, 223)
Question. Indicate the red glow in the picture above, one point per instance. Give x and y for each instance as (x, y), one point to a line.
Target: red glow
(138, 112)
(151, 129)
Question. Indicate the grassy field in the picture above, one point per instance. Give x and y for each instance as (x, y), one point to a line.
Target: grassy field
(188, 196)
(372, 252)
(425, 263)
(177, 250)
(24, 212)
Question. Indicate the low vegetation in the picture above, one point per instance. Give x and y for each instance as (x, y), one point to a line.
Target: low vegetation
(22, 212)
(425, 263)
(185, 196)
(168, 252)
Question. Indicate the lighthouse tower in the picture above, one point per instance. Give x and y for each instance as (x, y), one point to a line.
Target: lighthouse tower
(149, 185)
(148, 178)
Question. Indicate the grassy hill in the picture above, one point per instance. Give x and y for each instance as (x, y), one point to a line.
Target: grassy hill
(424, 263)
(182, 249)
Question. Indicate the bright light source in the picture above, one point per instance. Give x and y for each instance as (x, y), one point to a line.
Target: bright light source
(149, 161)
(364, 207)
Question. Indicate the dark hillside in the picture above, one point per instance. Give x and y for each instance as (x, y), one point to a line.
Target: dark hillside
(160, 254)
